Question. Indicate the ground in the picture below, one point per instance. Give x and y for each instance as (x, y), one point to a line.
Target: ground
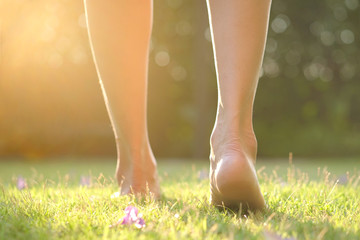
(71, 199)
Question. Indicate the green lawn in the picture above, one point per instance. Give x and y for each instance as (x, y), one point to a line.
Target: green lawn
(305, 202)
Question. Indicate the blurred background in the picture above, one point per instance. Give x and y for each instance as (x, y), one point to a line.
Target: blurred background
(307, 102)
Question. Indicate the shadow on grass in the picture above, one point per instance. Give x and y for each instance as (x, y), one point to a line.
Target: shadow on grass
(276, 224)
(297, 228)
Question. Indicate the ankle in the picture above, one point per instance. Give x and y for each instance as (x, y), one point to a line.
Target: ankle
(136, 165)
(233, 134)
(132, 146)
(228, 128)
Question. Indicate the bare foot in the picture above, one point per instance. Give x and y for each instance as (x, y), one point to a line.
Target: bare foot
(136, 172)
(233, 180)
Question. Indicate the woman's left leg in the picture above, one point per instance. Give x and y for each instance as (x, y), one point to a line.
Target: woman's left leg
(120, 33)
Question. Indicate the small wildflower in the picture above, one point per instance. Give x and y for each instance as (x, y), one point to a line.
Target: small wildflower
(176, 215)
(132, 216)
(21, 183)
(273, 236)
(343, 179)
(85, 181)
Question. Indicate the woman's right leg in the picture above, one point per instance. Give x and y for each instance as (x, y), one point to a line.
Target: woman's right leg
(239, 29)
(119, 34)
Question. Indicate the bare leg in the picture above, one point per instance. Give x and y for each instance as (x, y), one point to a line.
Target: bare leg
(239, 29)
(120, 34)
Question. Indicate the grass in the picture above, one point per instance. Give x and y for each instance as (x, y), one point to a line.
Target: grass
(306, 201)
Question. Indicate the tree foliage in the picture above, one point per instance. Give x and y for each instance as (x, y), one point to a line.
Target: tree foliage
(307, 100)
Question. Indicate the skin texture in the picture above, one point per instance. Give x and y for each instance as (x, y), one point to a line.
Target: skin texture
(120, 33)
(239, 31)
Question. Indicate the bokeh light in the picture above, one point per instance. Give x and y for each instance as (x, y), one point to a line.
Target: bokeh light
(307, 100)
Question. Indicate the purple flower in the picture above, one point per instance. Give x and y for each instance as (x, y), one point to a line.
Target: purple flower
(132, 216)
(21, 183)
(85, 181)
